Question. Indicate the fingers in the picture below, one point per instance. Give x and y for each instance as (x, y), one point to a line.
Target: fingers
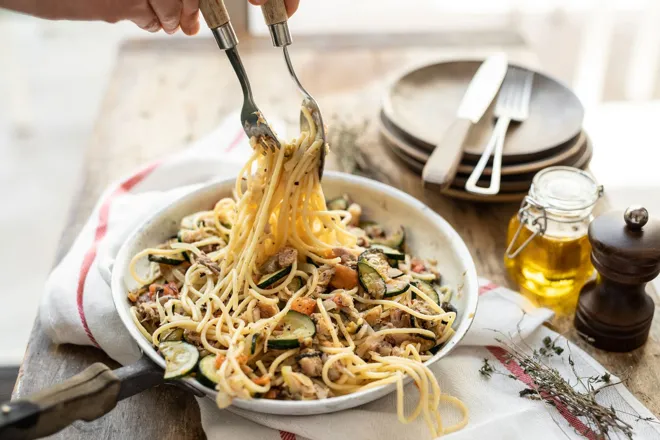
(292, 6)
(190, 17)
(257, 2)
(168, 13)
(145, 18)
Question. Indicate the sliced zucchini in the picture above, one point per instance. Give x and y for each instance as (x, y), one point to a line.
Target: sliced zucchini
(272, 278)
(396, 287)
(175, 334)
(297, 326)
(253, 347)
(208, 374)
(338, 204)
(376, 259)
(295, 284)
(180, 358)
(312, 262)
(169, 260)
(371, 280)
(448, 307)
(427, 289)
(394, 273)
(437, 348)
(390, 253)
(394, 240)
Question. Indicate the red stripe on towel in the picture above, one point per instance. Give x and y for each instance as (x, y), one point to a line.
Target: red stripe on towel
(515, 369)
(101, 230)
(487, 288)
(237, 140)
(287, 435)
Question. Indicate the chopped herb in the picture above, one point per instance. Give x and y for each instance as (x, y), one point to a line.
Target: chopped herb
(486, 369)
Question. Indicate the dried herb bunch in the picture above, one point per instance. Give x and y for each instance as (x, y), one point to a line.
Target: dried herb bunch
(550, 387)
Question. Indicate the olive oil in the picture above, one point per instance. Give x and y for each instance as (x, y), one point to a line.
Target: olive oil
(553, 267)
(549, 254)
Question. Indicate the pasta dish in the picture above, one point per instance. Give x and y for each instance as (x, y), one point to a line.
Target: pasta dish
(278, 293)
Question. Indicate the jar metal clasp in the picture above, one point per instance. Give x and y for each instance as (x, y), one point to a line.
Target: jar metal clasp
(538, 223)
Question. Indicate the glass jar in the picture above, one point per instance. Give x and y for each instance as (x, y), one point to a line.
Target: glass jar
(548, 254)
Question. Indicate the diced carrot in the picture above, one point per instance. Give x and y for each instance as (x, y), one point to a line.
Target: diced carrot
(304, 305)
(242, 359)
(218, 361)
(271, 394)
(344, 278)
(263, 380)
(154, 288)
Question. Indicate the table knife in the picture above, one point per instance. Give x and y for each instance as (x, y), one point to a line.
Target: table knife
(441, 166)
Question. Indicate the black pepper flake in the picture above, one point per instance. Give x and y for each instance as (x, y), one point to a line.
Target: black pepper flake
(297, 183)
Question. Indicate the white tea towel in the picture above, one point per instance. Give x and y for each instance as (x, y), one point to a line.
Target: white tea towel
(77, 308)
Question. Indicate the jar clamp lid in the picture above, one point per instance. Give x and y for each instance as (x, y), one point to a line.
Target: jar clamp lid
(557, 192)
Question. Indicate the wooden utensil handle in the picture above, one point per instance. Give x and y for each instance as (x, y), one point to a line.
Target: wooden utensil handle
(85, 396)
(214, 12)
(441, 167)
(274, 12)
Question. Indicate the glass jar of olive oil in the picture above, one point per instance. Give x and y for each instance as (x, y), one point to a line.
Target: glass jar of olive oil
(548, 254)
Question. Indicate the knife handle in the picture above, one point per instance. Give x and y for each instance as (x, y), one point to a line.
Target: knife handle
(441, 167)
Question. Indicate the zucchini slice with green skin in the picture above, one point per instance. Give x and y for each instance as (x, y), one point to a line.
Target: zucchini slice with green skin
(175, 334)
(376, 259)
(337, 204)
(208, 374)
(428, 290)
(312, 262)
(394, 273)
(390, 253)
(295, 284)
(253, 346)
(396, 287)
(170, 261)
(437, 348)
(394, 240)
(371, 280)
(272, 278)
(180, 358)
(297, 326)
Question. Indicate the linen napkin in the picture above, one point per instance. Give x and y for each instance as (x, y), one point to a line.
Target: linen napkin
(77, 308)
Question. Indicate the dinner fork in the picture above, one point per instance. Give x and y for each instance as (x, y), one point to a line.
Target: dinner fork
(276, 18)
(512, 105)
(255, 125)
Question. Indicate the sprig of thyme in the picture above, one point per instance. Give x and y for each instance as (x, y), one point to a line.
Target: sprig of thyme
(551, 388)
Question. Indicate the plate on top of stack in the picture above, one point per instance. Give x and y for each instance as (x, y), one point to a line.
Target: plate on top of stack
(421, 105)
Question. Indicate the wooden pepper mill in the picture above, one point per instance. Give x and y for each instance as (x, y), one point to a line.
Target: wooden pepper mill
(614, 312)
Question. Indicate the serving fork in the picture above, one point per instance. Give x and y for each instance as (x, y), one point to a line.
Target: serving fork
(512, 105)
(255, 125)
(276, 18)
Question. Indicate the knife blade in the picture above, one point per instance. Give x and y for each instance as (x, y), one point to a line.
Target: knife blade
(441, 167)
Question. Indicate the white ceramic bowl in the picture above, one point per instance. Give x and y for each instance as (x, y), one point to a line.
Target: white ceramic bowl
(427, 235)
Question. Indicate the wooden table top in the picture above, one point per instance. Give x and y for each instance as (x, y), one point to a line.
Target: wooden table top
(165, 94)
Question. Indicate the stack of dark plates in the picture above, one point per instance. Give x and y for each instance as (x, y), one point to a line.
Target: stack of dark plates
(422, 103)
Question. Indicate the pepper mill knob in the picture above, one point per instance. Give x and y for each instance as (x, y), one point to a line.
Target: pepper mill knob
(636, 217)
(614, 312)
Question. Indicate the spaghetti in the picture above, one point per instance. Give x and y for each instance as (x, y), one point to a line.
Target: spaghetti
(277, 293)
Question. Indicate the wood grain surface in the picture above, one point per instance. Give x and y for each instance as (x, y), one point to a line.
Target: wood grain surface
(163, 95)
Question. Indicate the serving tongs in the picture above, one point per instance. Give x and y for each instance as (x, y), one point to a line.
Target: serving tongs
(255, 125)
(276, 18)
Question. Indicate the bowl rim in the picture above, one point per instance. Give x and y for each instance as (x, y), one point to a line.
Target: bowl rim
(469, 288)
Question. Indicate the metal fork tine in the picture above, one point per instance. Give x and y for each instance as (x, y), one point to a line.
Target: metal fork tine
(512, 105)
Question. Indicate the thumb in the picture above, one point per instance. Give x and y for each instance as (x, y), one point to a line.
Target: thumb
(257, 2)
